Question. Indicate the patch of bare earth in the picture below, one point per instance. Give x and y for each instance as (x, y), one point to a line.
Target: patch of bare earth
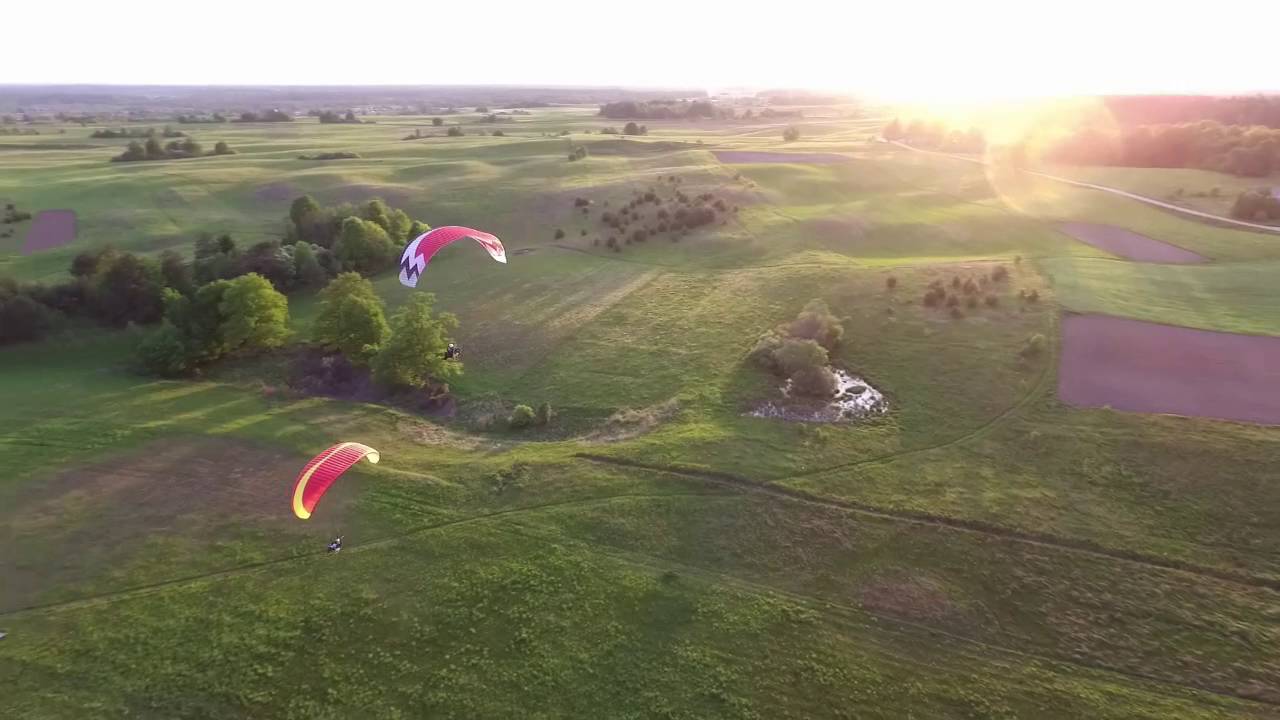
(80, 524)
(1129, 245)
(1146, 367)
(50, 229)
(629, 423)
(276, 192)
(907, 596)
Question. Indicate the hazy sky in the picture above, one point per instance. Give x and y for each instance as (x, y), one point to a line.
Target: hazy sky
(943, 49)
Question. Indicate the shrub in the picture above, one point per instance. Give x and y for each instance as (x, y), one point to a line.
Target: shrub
(992, 301)
(1033, 347)
(1033, 297)
(791, 134)
(581, 202)
(1000, 274)
(522, 417)
(891, 282)
(762, 355)
(559, 233)
(796, 354)
(437, 122)
(162, 352)
(545, 414)
(816, 322)
(455, 131)
(814, 382)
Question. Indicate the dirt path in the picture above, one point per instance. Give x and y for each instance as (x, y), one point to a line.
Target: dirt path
(1075, 545)
(1232, 222)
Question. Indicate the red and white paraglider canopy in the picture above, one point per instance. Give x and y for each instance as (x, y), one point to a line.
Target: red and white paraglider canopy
(416, 256)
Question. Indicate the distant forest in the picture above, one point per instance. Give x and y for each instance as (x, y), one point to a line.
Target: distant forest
(1165, 109)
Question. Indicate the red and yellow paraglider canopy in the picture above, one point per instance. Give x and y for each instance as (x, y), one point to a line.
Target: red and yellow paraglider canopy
(323, 470)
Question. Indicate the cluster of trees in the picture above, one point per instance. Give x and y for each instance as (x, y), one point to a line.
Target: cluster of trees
(407, 352)
(19, 131)
(971, 292)
(136, 133)
(200, 119)
(365, 239)
(663, 109)
(330, 117)
(1260, 204)
(153, 150)
(1161, 109)
(578, 153)
(217, 319)
(265, 116)
(799, 350)
(1206, 145)
(342, 155)
(523, 416)
(935, 136)
(107, 286)
(633, 129)
(676, 214)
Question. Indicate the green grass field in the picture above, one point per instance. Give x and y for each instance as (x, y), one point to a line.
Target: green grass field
(980, 551)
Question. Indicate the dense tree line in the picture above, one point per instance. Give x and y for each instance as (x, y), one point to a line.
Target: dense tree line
(329, 117)
(663, 110)
(136, 133)
(173, 150)
(202, 119)
(18, 131)
(265, 116)
(1206, 145)
(1174, 109)
(340, 155)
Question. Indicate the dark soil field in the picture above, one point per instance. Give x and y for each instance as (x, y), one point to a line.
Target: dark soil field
(1145, 367)
(1128, 244)
(50, 229)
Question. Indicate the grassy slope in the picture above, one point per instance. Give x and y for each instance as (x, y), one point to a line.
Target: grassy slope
(579, 586)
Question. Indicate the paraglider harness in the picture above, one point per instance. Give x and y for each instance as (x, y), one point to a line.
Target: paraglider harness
(453, 352)
(336, 545)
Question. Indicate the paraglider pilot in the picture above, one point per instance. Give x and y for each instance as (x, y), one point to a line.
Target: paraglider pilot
(336, 545)
(453, 353)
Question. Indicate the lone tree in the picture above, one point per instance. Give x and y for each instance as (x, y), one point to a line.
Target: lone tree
(351, 319)
(437, 122)
(415, 353)
(256, 316)
(791, 134)
(363, 246)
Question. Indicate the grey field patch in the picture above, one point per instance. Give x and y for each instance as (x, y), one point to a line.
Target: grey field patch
(1128, 244)
(50, 229)
(1146, 367)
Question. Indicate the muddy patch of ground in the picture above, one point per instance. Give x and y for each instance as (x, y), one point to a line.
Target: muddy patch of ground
(50, 229)
(1128, 244)
(1146, 367)
(854, 399)
(738, 157)
(80, 525)
(907, 596)
(276, 192)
